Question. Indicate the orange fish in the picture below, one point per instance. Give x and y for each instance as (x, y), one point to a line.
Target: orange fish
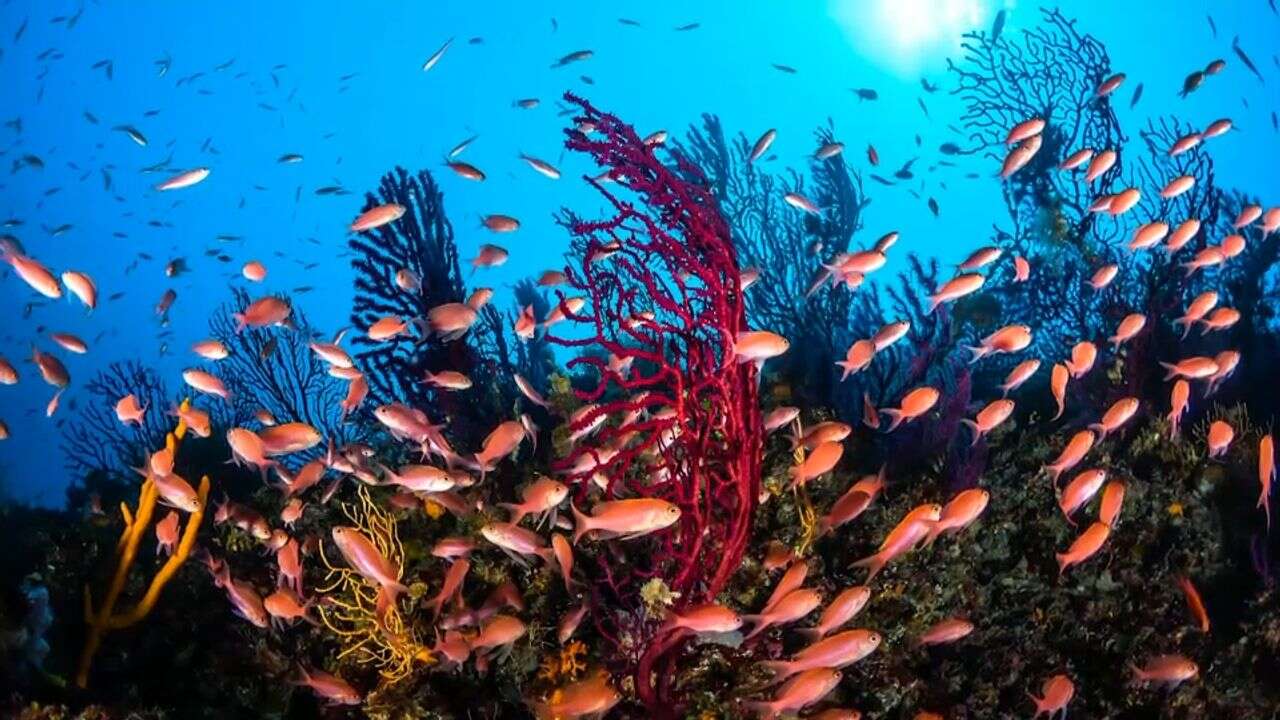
(857, 358)
(1019, 375)
(263, 312)
(365, 558)
(1008, 339)
(34, 274)
(898, 544)
(1182, 235)
(1178, 399)
(1080, 490)
(1103, 276)
(1193, 368)
(798, 693)
(955, 288)
(791, 580)
(254, 271)
(1266, 473)
(980, 258)
(1112, 500)
(167, 533)
(988, 418)
(1171, 670)
(1100, 164)
(1219, 438)
(330, 687)
(625, 519)
(914, 404)
(1024, 130)
(184, 179)
(1177, 186)
(818, 463)
(1194, 603)
(1058, 385)
(1084, 546)
(377, 216)
(759, 345)
(960, 512)
(1131, 325)
(1076, 159)
(1020, 155)
(945, 631)
(81, 285)
(1079, 446)
(839, 611)
(1207, 257)
(790, 608)
(128, 410)
(1021, 269)
(1120, 412)
(1055, 695)
(837, 651)
(1148, 235)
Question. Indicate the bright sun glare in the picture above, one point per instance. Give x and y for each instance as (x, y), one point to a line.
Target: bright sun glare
(904, 35)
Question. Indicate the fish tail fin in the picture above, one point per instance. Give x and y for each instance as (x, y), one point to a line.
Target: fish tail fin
(978, 353)
(581, 523)
(846, 366)
(240, 322)
(874, 563)
(760, 625)
(934, 302)
(1170, 370)
(1062, 563)
(1100, 429)
(895, 419)
(977, 433)
(761, 708)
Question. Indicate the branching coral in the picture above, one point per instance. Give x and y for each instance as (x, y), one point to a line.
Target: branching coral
(661, 285)
(369, 633)
(95, 440)
(136, 524)
(403, 270)
(773, 238)
(274, 369)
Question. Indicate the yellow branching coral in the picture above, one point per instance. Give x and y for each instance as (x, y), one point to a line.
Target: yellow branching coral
(568, 664)
(136, 523)
(370, 634)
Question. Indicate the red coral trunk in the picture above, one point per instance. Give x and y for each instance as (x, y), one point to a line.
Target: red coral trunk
(662, 290)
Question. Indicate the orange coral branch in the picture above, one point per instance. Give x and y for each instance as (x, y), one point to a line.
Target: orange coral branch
(135, 526)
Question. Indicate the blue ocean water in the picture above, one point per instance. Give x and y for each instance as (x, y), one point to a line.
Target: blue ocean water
(248, 84)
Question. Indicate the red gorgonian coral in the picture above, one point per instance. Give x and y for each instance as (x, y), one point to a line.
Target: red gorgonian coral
(678, 416)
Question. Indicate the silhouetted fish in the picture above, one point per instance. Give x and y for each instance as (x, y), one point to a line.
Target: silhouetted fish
(784, 68)
(1137, 95)
(1235, 45)
(997, 26)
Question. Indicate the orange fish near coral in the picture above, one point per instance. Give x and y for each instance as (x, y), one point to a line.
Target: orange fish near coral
(1019, 375)
(1171, 670)
(1055, 695)
(376, 217)
(1058, 385)
(1008, 339)
(1079, 446)
(1194, 603)
(1219, 438)
(1193, 368)
(33, 273)
(1080, 490)
(1120, 412)
(914, 404)
(263, 312)
(1130, 326)
(625, 519)
(759, 345)
(956, 288)
(960, 512)
(989, 418)
(945, 631)
(1266, 473)
(1084, 547)
(365, 558)
(839, 611)
(837, 651)
(818, 463)
(330, 687)
(800, 692)
(857, 358)
(1020, 155)
(129, 411)
(792, 607)
(1112, 501)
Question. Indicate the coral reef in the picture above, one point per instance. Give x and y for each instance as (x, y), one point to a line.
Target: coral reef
(662, 298)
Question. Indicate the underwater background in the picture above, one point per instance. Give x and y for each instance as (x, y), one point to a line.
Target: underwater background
(307, 116)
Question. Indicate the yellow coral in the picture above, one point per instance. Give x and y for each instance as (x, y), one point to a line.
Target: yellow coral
(374, 635)
(568, 664)
(135, 526)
